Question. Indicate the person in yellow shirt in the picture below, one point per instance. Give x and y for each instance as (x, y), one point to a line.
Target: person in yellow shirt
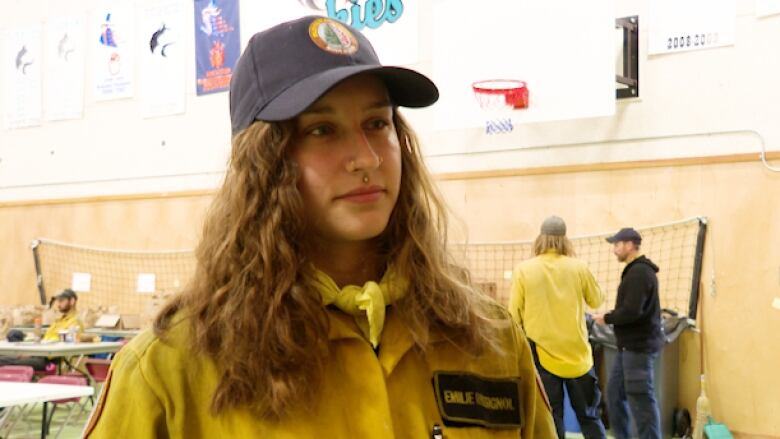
(66, 305)
(69, 319)
(548, 296)
(324, 302)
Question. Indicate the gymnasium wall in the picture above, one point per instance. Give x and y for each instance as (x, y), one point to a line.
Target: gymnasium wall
(740, 278)
(688, 146)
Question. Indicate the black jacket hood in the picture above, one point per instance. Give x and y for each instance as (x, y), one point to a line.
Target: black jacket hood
(644, 260)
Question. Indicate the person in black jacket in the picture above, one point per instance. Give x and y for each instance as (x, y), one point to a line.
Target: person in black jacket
(637, 323)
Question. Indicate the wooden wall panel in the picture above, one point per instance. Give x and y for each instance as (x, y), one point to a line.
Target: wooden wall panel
(741, 275)
(741, 269)
(154, 223)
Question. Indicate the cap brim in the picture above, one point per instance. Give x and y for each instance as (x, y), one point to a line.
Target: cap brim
(611, 240)
(406, 87)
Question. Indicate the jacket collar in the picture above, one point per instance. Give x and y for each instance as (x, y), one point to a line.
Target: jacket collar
(396, 339)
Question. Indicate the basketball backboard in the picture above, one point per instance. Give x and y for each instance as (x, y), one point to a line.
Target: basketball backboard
(562, 50)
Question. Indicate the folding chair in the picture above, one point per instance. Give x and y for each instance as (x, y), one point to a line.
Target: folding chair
(98, 372)
(51, 369)
(11, 415)
(26, 371)
(14, 377)
(98, 369)
(74, 402)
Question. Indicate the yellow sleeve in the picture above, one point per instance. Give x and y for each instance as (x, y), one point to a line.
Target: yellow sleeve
(537, 415)
(594, 297)
(128, 406)
(517, 298)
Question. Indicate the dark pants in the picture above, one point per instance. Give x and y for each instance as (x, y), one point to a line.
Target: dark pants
(38, 363)
(584, 395)
(631, 387)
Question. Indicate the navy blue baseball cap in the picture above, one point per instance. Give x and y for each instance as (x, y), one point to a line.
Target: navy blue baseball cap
(67, 293)
(284, 69)
(625, 234)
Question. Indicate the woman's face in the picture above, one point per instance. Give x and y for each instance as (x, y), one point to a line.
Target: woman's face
(349, 159)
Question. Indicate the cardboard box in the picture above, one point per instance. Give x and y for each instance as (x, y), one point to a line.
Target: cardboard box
(130, 321)
(108, 321)
(118, 321)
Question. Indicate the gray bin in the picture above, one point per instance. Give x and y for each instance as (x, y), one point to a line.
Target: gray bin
(666, 366)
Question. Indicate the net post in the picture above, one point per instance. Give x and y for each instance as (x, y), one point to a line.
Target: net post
(38, 275)
(693, 303)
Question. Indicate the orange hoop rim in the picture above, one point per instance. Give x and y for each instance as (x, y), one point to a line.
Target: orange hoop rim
(498, 86)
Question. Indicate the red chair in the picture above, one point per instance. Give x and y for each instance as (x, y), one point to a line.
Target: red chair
(98, 369)
(11, 415)
(74, 402)
(26, 371)
(51, 369)
(14, 377)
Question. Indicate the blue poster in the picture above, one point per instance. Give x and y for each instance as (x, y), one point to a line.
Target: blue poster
(217, 44)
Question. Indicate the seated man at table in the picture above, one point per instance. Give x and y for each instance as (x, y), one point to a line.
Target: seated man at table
(66, 305)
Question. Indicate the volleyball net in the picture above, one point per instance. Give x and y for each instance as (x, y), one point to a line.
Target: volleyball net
(129, 281)
(676, 247)
(137, 282)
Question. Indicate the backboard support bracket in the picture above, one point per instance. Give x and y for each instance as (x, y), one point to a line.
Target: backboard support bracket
(628, 79)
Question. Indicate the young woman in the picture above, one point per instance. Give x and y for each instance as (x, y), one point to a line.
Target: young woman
(324, 303)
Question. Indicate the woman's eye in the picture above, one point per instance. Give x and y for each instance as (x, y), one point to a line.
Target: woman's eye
(378, 124)
(320, 130)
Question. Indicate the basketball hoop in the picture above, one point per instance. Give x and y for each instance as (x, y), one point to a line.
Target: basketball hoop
(499, 98)
(501, 94)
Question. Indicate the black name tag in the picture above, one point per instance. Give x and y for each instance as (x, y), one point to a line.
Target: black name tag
(466, 399)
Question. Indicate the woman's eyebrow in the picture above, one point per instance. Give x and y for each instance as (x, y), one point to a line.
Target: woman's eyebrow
(326, 109)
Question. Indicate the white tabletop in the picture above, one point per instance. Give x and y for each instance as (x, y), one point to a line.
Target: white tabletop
(113, 332)
(57, 349)
(23, 393)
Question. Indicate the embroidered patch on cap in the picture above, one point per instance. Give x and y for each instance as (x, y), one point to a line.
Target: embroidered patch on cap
(466, 399)
(332, 36)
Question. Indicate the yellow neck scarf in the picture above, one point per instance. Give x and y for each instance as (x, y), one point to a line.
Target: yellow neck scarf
(367, 303)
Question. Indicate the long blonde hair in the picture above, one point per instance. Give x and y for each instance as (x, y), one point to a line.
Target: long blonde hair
(249, 303)
(559, 243)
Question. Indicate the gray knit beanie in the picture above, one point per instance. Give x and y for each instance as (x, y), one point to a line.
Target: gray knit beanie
(554, 226)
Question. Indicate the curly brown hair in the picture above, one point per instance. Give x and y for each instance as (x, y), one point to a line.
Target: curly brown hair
(249, 303)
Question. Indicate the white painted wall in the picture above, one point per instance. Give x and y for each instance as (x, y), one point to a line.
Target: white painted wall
(112, 150)
(712, 102)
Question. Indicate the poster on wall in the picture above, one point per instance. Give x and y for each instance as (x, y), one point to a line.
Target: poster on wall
(686, 25)
(111, 37)
(217, 44)
(64, 74)
(161, 36)
(392, 26)
(22, 60)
